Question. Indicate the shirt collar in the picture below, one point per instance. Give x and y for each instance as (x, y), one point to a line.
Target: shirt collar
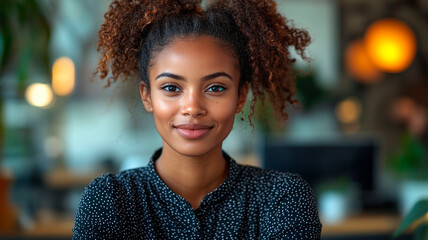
(211, 198)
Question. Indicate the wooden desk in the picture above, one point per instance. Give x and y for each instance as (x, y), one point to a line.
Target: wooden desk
(363, 224)
(366, 224)
(52, 229)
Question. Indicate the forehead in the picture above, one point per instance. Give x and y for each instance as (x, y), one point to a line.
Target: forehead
(203, 53)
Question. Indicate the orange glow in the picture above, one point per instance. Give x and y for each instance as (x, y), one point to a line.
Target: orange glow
(391, 45)
(359, 65)
(63, 76)
(348, 111)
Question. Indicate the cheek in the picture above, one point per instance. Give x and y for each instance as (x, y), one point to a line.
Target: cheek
(225, 112)
(163, 110)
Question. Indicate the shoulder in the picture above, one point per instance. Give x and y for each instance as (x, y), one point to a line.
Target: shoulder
(273, 180)
(104, 202)
(109, 186)
(278, 188)
(115, 183)
(291, 208)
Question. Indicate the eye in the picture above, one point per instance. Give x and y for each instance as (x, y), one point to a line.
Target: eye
(171, 88)
(216, 88)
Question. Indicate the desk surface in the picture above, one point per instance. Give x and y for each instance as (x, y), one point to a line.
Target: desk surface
(354, 225)
(363, 224)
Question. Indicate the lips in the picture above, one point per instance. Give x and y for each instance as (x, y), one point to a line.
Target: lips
(193, 131)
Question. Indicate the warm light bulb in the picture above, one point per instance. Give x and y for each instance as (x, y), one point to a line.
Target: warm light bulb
(63, 74)
(359, 65)
(348, 111)
(391, 45)
(39, 95)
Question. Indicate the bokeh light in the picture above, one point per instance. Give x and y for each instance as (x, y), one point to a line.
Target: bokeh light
(391, 45)
(348, 111)
(63, 76)
(39, 95)
(359, 65)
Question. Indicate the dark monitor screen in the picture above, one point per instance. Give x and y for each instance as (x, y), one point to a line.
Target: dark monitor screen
(321, 161)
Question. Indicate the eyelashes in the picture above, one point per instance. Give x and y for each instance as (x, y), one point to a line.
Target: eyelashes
(216, 88)
(170, 88)
(174, 89)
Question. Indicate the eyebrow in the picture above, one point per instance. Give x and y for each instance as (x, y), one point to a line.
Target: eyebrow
(169, 75)
(208, 77)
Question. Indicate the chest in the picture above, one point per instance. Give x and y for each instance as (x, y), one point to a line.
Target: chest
(239, 216)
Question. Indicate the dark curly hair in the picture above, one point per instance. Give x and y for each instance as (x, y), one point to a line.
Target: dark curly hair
(135, 30)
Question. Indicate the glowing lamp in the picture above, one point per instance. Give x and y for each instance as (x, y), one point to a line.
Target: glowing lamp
(348, 111)
(391, 45)
(39, 95)
(63, 73)
(359, 65)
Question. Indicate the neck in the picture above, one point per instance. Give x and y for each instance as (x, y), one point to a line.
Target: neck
(192, 177)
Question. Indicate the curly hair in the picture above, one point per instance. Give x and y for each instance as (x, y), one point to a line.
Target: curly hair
(135, 30)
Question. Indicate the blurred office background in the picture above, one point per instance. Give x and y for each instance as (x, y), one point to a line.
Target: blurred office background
(359, 138)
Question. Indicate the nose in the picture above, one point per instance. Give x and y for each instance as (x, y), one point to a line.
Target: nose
(193, 105)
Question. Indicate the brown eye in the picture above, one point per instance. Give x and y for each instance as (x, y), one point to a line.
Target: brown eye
(171, 88)
(216, 88)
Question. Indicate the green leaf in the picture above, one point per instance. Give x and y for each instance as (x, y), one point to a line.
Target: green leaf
(421, 232)
(23, 66)
(24, 38)
(419, 210)
(6, 41)
(411, 159)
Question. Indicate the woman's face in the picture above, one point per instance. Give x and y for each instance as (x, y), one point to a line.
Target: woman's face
(193, 95)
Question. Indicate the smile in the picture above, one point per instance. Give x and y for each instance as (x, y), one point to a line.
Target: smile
(193, 131)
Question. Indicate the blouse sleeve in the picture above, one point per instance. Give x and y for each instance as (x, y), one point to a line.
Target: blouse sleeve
(294, 213)
(98, 213)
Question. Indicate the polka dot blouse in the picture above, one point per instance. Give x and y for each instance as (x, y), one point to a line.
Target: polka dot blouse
(252, 203)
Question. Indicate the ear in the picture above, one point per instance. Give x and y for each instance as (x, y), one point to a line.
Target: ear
(145, 97)
(242, 99)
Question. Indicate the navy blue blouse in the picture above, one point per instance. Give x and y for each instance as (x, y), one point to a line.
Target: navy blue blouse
(252, 203)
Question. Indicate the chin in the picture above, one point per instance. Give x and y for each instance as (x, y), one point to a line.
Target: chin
(194, 149)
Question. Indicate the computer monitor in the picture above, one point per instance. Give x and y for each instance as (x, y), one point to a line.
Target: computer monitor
(320, 161)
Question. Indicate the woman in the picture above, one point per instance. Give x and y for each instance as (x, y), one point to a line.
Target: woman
(195, 68)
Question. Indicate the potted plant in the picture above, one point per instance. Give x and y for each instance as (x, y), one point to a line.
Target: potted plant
(410, 164)
(334, 199)
(24, 46)
(418, 219)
